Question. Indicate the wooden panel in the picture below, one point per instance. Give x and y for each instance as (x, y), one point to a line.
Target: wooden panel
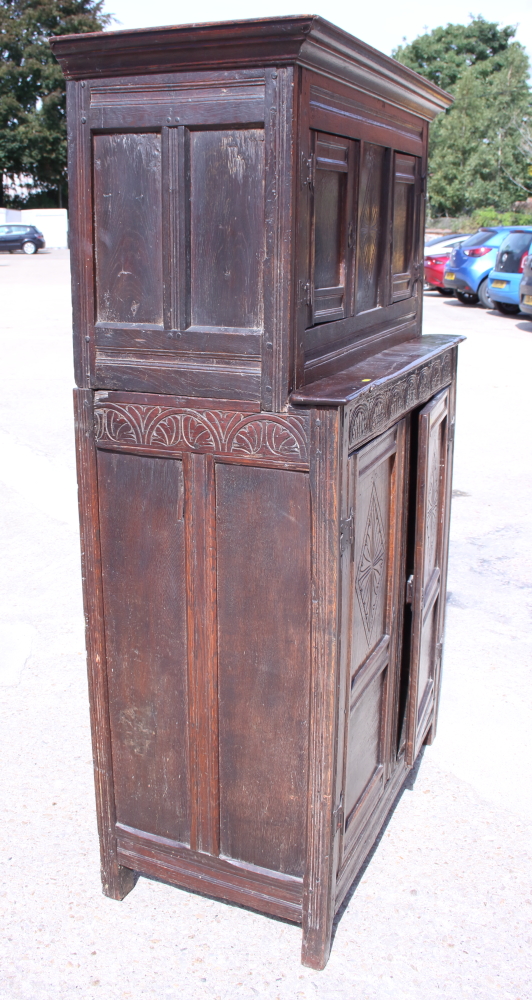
(142, 532)
(429, 558)
(128, 228)
(263, 531)
(404, 221)
(330, 227)
(227, 228)
(372, 225)
(247, 885)
(359, 115)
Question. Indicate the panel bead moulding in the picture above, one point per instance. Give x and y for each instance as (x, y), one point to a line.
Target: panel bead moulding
(169, 430)
(378, 407)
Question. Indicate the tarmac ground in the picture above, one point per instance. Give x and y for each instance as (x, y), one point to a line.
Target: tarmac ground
(443, 907)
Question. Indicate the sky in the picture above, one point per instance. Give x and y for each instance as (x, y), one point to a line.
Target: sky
(383, 23)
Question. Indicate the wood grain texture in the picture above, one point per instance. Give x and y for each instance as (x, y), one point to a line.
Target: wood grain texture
(202, 652)
(318, 894)
(143, 569)
(117, 879)
(266, 42)
(80, 230)
(247, 885)
(128, 228)
(263, 620)
(226, 228)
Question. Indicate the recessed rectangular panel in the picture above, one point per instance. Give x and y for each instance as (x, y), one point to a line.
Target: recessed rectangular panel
(128, 228)
(364, 741)
(227, 228)
(142, 542)
(371, 226)
(263, 532)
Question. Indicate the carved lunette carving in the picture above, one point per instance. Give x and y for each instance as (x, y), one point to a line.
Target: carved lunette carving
(380, 406)
(171, 430)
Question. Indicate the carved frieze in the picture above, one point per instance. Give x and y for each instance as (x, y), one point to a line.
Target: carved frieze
(380, 406)
(171, 430)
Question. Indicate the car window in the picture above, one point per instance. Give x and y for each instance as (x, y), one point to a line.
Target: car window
(5, 230)
(18, 230)
(482, 238)
(512, 250)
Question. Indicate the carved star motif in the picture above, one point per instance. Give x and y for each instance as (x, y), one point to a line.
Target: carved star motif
(370, 570)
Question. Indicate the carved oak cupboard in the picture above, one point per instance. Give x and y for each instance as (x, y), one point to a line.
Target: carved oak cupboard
(264, 452)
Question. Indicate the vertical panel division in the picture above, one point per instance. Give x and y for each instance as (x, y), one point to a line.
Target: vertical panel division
(202, 651)
(263, 525)
(371, 227)
(128, 228)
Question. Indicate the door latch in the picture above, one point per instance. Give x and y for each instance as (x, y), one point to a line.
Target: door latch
(409, 596)
(347, 532)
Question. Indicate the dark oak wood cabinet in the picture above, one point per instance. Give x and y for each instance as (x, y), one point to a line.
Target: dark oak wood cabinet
(264, 445)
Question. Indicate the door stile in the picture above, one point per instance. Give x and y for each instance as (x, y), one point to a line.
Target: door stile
(200, 561)
(395, 601)
(319, 880)
(117, 880)
(427, 588)
(81, 229)
(446, 524)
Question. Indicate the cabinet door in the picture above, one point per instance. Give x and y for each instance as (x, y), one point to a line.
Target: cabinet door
(428, 590)
(332, 235)
(376, 485)
(404, 225)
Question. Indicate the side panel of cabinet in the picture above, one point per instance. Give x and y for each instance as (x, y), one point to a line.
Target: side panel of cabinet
(428, 593)
(376, 487)
(143, 568)
(263, 538)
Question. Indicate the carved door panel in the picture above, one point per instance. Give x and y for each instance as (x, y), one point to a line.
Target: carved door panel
(376, 484)
(427, 586)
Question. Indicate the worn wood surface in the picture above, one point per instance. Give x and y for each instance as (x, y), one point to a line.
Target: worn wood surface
(263, 446)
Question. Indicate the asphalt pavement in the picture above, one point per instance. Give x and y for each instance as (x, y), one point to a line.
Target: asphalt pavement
(443, 908)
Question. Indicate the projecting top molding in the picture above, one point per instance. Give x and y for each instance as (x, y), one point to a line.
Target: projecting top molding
(307, 41)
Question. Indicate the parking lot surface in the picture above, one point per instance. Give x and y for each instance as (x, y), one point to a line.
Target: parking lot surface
(443, 908)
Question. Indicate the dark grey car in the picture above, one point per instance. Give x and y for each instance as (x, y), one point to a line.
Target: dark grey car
(29, 239)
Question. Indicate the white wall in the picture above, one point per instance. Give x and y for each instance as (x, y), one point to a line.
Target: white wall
(52, 222)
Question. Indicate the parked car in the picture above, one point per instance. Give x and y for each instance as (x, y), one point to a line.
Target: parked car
(505, 280)
(437, 252)
(470, 264)
(29, 239)
(444, 244)
(525, 291)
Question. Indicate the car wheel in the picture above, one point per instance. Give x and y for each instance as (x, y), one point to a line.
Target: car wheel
(485, 299)
(467, 298)
(29, 247)
(506, 308)
(446, 291)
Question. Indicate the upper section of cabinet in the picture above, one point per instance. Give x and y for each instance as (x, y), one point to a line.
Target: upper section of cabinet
(245, 204)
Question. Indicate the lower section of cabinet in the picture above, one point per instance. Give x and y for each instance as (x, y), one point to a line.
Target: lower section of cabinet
(258, 678)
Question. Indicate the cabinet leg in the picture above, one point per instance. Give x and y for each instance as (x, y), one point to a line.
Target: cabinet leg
(316, 946)
(117, 881)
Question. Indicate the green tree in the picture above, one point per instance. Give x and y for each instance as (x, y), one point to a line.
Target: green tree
(32, 90)
(477, 156)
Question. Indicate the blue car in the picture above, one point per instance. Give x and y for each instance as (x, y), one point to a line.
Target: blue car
(504, 281)
(470, 264)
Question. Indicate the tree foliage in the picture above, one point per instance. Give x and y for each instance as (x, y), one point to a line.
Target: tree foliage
(32, 89)
(477, 152)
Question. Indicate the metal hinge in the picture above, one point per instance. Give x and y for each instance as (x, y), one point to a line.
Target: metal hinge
(409, 595)
(451, 433)
(338, 818)
(417, 271)
(347, 532)
(305, 293)
(307, 170)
